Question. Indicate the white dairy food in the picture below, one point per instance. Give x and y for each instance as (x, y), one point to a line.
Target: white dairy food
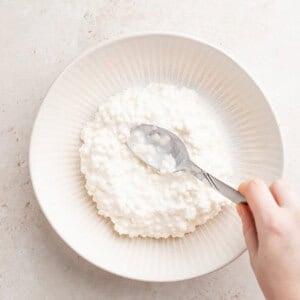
(139, 200)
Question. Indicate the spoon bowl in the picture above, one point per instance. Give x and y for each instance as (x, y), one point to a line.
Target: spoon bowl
(162, 141)
(166, 152)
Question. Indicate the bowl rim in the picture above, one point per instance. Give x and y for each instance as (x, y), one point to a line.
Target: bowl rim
(87, 52)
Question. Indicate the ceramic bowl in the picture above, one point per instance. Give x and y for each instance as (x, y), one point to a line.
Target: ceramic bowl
(72, 100)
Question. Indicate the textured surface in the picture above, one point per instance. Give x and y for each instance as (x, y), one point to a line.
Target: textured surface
(38, 39)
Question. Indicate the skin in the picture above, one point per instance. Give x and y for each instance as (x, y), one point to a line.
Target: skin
(271, 226)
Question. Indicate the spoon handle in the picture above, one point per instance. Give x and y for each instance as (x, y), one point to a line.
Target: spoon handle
(223, 188)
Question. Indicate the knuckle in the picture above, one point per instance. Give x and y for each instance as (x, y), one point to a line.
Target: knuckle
(274, 226)
(277, 183)
(254, 183)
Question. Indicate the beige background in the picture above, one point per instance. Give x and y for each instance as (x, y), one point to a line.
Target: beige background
(37, 40)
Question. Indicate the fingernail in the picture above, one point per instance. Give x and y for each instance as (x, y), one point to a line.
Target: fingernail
(242, 186)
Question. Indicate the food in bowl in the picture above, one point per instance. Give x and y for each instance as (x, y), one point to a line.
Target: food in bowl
(139, 200)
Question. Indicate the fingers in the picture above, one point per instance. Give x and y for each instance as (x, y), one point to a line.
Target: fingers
(283, 194)
(260, 200)
(249, 228)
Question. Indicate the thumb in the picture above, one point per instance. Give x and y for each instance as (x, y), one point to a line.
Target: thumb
(249, 228)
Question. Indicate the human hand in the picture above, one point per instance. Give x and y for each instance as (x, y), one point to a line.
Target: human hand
(271, 226)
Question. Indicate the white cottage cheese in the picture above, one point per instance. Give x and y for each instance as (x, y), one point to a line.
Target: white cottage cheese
(139, 200)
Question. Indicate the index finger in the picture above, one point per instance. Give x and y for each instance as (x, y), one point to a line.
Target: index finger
(260, 200)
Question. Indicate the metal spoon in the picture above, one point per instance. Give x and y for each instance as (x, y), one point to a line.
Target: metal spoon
(172, 145)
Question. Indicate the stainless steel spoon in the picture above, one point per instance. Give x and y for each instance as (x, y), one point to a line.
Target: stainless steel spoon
(172, 145)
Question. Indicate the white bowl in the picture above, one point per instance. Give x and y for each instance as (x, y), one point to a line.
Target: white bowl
(107, 69)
